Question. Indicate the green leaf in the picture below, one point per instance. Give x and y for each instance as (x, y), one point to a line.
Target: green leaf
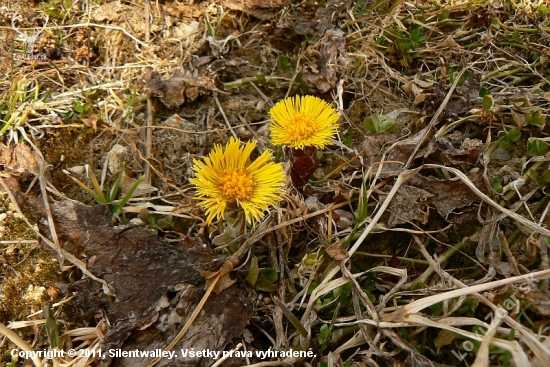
(444, 15)
(268, 274)
(77, 107)
(51, 327)
(165, 222)
(504, 142)
(536, 118)
(484, 92)
(468, 308)
(261, 78)
(544, 178)
(111, 194)
(323, 334)
(540, 122)
(87, 189)
(514, 135)
(284, 62)
(362, 205)
(495, 24)
(372, 123)
(488, 102)
(437, 309)
(252, 275)
(124, 201)
(387, 125)
(444, 337)
(101, 197)
(265, 286)
(521, 102)
(496, 185)
(536, 148)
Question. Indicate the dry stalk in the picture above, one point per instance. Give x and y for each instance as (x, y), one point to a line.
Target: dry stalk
(482, 358)
(16, 339)
(62, 253)
(509, 255)
(191, 319)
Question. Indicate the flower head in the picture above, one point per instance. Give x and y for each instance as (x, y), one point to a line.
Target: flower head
(227, 177)
(302, 122)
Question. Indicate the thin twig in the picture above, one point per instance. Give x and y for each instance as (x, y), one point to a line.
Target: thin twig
(224, 117)
(508, 253)
(16, 339)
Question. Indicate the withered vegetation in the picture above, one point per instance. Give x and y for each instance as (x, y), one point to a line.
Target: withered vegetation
(420, 240)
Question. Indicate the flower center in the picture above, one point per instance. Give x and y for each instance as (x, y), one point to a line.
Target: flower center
(300, 126)
(237, 184)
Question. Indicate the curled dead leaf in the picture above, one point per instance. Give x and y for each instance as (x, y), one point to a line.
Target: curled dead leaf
(18, 159)
(337, 252)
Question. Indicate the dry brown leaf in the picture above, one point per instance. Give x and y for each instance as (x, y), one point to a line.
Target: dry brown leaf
(410, 204)
(19, 159)
(326, 61)
(337, 252)
(108, 12)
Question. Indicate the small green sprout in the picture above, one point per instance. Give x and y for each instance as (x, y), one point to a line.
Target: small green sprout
(375, 125)
(108, 198)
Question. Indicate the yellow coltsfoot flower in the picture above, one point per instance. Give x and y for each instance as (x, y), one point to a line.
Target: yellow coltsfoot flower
(227, 177)
(303, 121)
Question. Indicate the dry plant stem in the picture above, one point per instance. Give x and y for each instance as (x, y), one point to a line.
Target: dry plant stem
(401, 179)
(223, 359)
(445, 129)
(147, 20)
(416, 306)
(224, 270)
(542, 353)
(508, 253)
(20, 242)
(44, 193)
(435, 117)
(406, 259)
(535, 210)
(85, 25)
(223, 115)
(290, 316)
(62, 253)
(190, 320)
(324, 285)
(359, 297)
(337, 169)
(16, 339)
(519, 356)
(535, 227)
(281, 340)
(259, 141)
(423, 278)
(543, 263)
(482, 357)
(148, 140)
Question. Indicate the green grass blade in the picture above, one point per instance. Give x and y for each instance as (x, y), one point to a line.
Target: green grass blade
(86, 188)
(114, 190)
(97, 187)
(118, 207)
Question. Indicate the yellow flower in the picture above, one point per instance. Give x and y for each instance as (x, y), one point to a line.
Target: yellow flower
(228, 178)
(302, 122)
